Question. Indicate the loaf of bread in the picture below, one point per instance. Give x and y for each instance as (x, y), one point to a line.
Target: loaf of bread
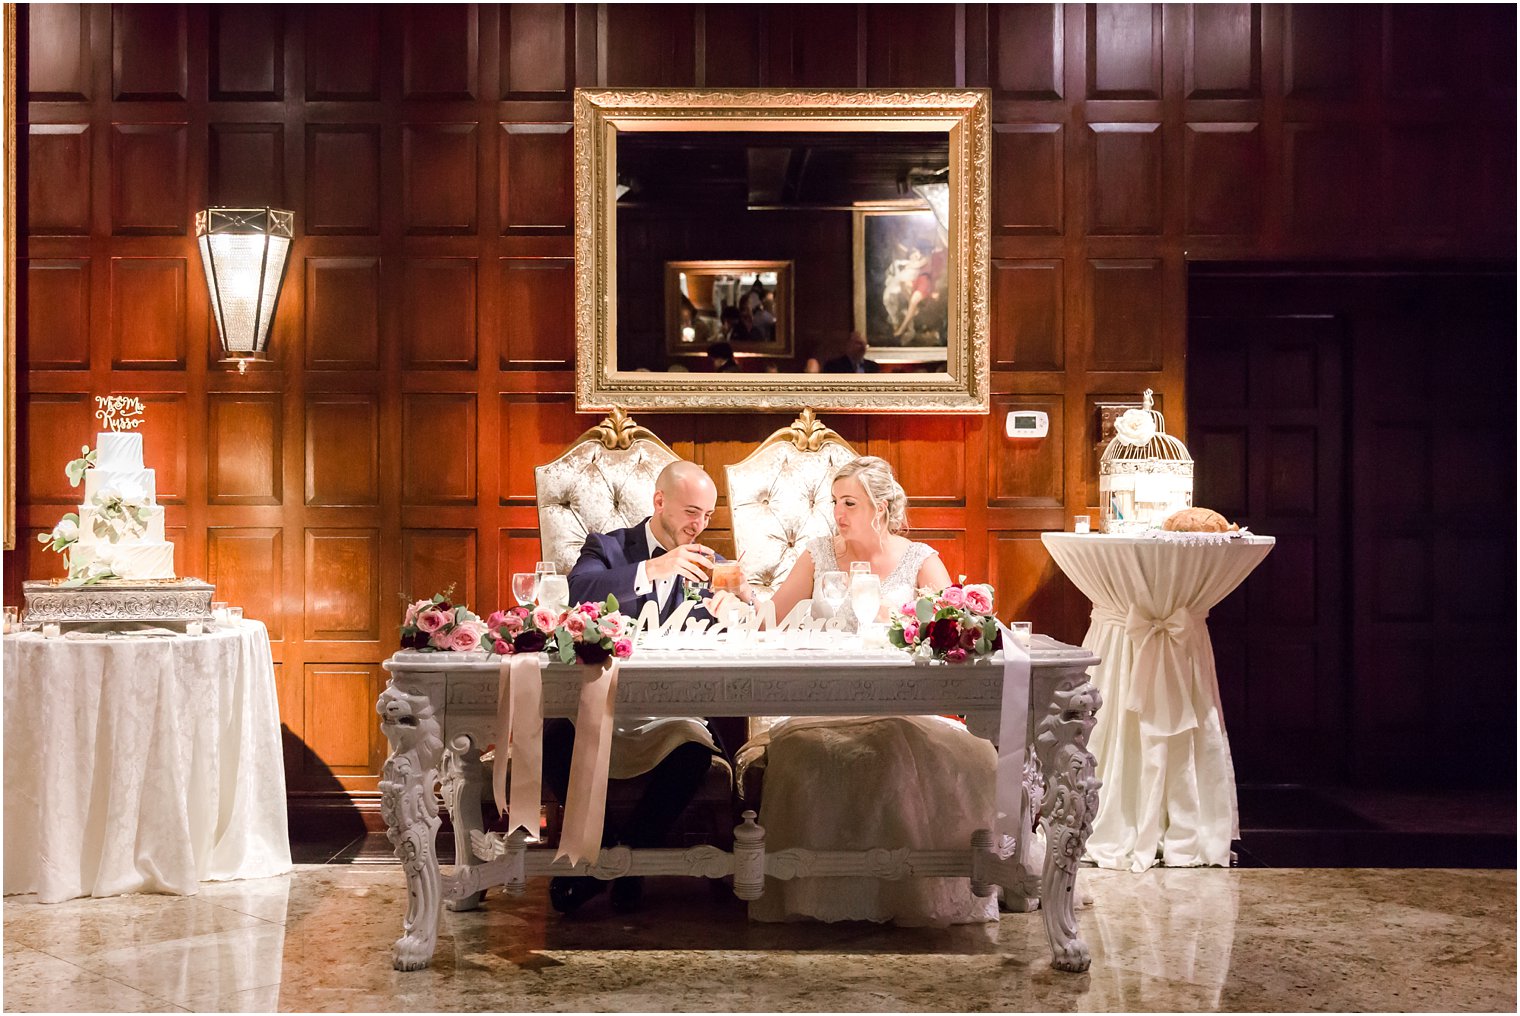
(1197, 520)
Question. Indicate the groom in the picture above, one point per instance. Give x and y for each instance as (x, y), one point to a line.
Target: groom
(651, 561)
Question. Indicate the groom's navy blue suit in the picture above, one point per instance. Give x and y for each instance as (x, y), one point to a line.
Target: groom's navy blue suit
(608, 566)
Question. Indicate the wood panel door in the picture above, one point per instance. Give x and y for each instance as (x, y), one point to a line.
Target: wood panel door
(1266, 401)
(1365, 419)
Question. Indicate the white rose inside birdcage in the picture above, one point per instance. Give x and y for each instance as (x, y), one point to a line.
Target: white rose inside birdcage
(1145, 474)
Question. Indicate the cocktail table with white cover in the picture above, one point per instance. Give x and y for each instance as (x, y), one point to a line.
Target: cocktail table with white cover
(1161, 748)
(141, 763)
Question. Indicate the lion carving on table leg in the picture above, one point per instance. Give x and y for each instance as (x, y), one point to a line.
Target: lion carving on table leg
(411, 815)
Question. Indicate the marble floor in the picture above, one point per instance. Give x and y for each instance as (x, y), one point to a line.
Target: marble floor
(1215, 939)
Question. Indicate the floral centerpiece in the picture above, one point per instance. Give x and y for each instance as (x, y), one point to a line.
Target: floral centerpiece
(437, 625)
(589, 632)
(954, 624)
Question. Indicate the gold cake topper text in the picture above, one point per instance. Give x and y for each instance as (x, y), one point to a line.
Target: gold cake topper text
(119, 412)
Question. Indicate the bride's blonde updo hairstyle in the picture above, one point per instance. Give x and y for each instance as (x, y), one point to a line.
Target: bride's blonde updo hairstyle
(875, 475)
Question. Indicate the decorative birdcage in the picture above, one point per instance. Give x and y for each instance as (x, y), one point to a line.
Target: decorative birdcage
(1145, 474)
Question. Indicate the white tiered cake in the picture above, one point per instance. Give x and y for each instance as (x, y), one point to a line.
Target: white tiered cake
(120, 523)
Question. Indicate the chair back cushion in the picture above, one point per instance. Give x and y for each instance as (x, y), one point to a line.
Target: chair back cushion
(780, 497)
(603, 481)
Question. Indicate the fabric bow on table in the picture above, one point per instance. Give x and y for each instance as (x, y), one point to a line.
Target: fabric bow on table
(1162, 690)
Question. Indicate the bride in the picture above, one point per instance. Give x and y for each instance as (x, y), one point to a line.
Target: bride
(850, 783)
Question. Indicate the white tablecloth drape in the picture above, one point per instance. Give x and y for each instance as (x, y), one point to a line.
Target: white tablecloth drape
(141, 764)
(1160, 744)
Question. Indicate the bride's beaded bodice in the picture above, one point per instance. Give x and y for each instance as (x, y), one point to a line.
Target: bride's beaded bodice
(896, 588)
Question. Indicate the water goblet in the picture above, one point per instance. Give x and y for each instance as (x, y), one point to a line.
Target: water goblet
(833, 587)
(525, 588)
(11, 620)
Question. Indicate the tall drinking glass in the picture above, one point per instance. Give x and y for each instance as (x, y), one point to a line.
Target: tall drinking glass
(865, 597)
(524, 588)
(554, 591)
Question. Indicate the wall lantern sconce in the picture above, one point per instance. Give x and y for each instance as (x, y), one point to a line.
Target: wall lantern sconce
(244, 252)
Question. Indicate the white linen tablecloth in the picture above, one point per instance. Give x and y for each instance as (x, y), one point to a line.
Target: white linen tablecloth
(141, 764)
(1160, 744)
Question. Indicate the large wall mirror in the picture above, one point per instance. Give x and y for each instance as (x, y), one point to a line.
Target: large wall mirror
(779, 249)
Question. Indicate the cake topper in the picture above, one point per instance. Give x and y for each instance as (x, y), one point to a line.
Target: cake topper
(119, 412)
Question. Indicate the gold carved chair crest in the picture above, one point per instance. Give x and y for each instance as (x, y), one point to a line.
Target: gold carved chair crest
(603, 481)
(780, 497)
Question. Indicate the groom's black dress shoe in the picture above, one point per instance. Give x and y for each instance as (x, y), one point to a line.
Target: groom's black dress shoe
(568, 893)
(628, 894)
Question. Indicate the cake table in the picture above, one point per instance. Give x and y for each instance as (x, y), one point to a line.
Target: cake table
(141, 763)
(1161, 749)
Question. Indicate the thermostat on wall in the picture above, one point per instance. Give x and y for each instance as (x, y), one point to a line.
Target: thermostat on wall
(1027, 423)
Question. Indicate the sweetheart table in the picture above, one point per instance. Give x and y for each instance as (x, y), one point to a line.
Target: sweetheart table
(1161, 748)
(439, 712)
(141, 763)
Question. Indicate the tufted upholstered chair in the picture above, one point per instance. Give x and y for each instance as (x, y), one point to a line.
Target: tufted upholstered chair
(603, 481)
(780, 497)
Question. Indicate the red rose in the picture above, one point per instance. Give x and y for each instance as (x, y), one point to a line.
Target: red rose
(529, 642)
(591, 652)
(944, 634)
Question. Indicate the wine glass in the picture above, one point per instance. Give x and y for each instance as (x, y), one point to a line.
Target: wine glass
(833, 586)
(525, 587)
(865, 597)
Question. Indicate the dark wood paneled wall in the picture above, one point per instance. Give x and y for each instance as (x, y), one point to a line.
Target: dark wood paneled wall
(423, 350)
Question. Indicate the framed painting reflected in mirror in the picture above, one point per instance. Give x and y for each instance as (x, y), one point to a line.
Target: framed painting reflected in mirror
(747, 304)
(808, 218)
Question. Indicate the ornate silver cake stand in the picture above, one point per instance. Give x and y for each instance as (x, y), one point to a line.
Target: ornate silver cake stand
(118, 603)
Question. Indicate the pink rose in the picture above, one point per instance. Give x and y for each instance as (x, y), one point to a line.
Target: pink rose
(439, 640)
(545, 619)
(464, 638)
(979, 599)
(910, 632)
(956, 656)
(413, 609)
(521, 613)
(613, 625)
(502, 648)
(909, 609)
(431, 619)
(591, 610)
(497, 619)
(512, 625)
(954, 596)
(575, 623)
(622, 648)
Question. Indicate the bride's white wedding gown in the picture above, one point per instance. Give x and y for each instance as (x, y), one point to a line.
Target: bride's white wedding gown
(850, 783)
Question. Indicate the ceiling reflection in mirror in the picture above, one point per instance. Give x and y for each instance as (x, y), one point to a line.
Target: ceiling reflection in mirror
(783, 251)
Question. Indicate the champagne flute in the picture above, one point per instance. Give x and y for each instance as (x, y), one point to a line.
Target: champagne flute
(833, 586)
(525, 588)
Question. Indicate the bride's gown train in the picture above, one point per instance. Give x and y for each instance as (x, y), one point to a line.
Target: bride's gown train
(850, 783)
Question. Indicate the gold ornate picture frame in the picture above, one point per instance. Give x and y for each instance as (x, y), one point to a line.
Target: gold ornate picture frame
(962, 386)
(8, 334)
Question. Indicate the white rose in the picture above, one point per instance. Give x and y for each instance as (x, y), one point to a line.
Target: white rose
(1135, 427)
(66, 530)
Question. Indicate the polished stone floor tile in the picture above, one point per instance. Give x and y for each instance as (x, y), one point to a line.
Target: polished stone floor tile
(1191, 940)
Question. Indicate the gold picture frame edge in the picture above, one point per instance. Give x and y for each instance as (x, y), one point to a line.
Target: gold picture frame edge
(966, 113)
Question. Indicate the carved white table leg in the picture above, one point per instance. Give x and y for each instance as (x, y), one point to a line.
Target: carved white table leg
(1071, 802)
(411, 814)
(749, 858)
(463, 784)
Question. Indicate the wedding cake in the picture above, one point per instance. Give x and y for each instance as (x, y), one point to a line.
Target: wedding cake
(121, 527)
(120, 567)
